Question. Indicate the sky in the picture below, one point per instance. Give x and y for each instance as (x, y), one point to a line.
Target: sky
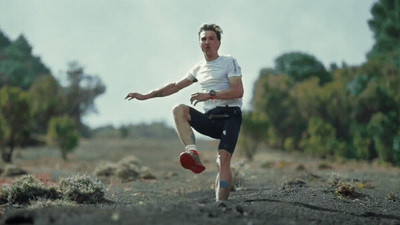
(141, 45)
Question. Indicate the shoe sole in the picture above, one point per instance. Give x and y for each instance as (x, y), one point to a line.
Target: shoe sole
(189, 163)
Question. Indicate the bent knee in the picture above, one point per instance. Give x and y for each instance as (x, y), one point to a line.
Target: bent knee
(181, 110)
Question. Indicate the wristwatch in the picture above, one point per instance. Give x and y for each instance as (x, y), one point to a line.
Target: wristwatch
(212, 94)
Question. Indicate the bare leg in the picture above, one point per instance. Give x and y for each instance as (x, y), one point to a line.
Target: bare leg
(182, 118)
(223, 181)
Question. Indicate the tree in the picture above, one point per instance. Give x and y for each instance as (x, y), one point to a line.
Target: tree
(272, 97)
(4, 133)
(385, 135)
(16, 113)
(321, 140)
(308, 99)
(62, 132)
(4, 41)
(301, 66)
(18, 67)
(47, 101)
(81, 93)
(385, 24)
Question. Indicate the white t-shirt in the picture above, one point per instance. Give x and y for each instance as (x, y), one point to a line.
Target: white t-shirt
(215, 75)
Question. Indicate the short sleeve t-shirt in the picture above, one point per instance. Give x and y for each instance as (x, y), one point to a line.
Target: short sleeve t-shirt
(214, 75)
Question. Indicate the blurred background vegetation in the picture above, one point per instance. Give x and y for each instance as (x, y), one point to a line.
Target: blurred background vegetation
(299, 105)
(340, 112)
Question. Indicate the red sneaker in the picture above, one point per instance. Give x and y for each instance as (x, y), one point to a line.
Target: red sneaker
(191, 161)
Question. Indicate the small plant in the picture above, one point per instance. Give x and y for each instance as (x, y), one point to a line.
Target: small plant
(25, 189)
(392, 197)
(82, 189)
(345, 190)
(334, 179)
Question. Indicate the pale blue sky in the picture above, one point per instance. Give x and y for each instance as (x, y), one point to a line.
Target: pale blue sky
(140, 45)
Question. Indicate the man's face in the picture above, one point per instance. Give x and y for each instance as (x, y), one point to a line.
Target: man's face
(209, 42)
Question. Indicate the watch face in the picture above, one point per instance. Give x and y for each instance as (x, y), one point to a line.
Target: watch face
(212, 93)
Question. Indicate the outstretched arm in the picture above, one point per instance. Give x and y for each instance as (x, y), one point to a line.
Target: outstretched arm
(166, 90)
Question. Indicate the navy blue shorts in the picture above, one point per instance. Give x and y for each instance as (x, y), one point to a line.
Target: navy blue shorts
(221, 123)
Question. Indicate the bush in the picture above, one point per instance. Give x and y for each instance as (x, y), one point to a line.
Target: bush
(25, 189)
(247, 147)
(362, 145)
(63, 133)
(254, 131)
(128, 169)
(386, 142)
(76, 189)
(320, 134)
(289, 144)
(82, 189)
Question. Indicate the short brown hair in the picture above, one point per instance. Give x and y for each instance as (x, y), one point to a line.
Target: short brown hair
(213, 27)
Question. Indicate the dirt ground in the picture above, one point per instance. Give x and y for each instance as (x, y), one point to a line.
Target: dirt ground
(275, 188)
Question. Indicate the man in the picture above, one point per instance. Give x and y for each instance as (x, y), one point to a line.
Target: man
(222, 92)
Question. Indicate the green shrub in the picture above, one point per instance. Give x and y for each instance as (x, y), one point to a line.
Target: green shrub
(289, 144)
(247, 147)
(63, 133)
(321, 136)
(254, 131)
(362, 146)
(337, 148)
(384, 133)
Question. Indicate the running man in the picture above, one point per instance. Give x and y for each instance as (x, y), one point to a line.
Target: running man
(220, 79)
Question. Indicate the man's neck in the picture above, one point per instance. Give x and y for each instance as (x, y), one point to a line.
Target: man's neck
(210, 58)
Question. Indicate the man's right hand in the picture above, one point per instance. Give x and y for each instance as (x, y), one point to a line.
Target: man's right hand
(137, 96)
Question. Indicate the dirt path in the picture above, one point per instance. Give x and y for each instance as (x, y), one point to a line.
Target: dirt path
(276, 188)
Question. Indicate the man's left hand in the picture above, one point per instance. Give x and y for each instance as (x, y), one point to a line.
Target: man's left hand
(199, 97)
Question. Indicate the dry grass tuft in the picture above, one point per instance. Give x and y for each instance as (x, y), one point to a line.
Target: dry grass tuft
(73, 190)
(25, 189)
(128, 169)
(82, 189)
